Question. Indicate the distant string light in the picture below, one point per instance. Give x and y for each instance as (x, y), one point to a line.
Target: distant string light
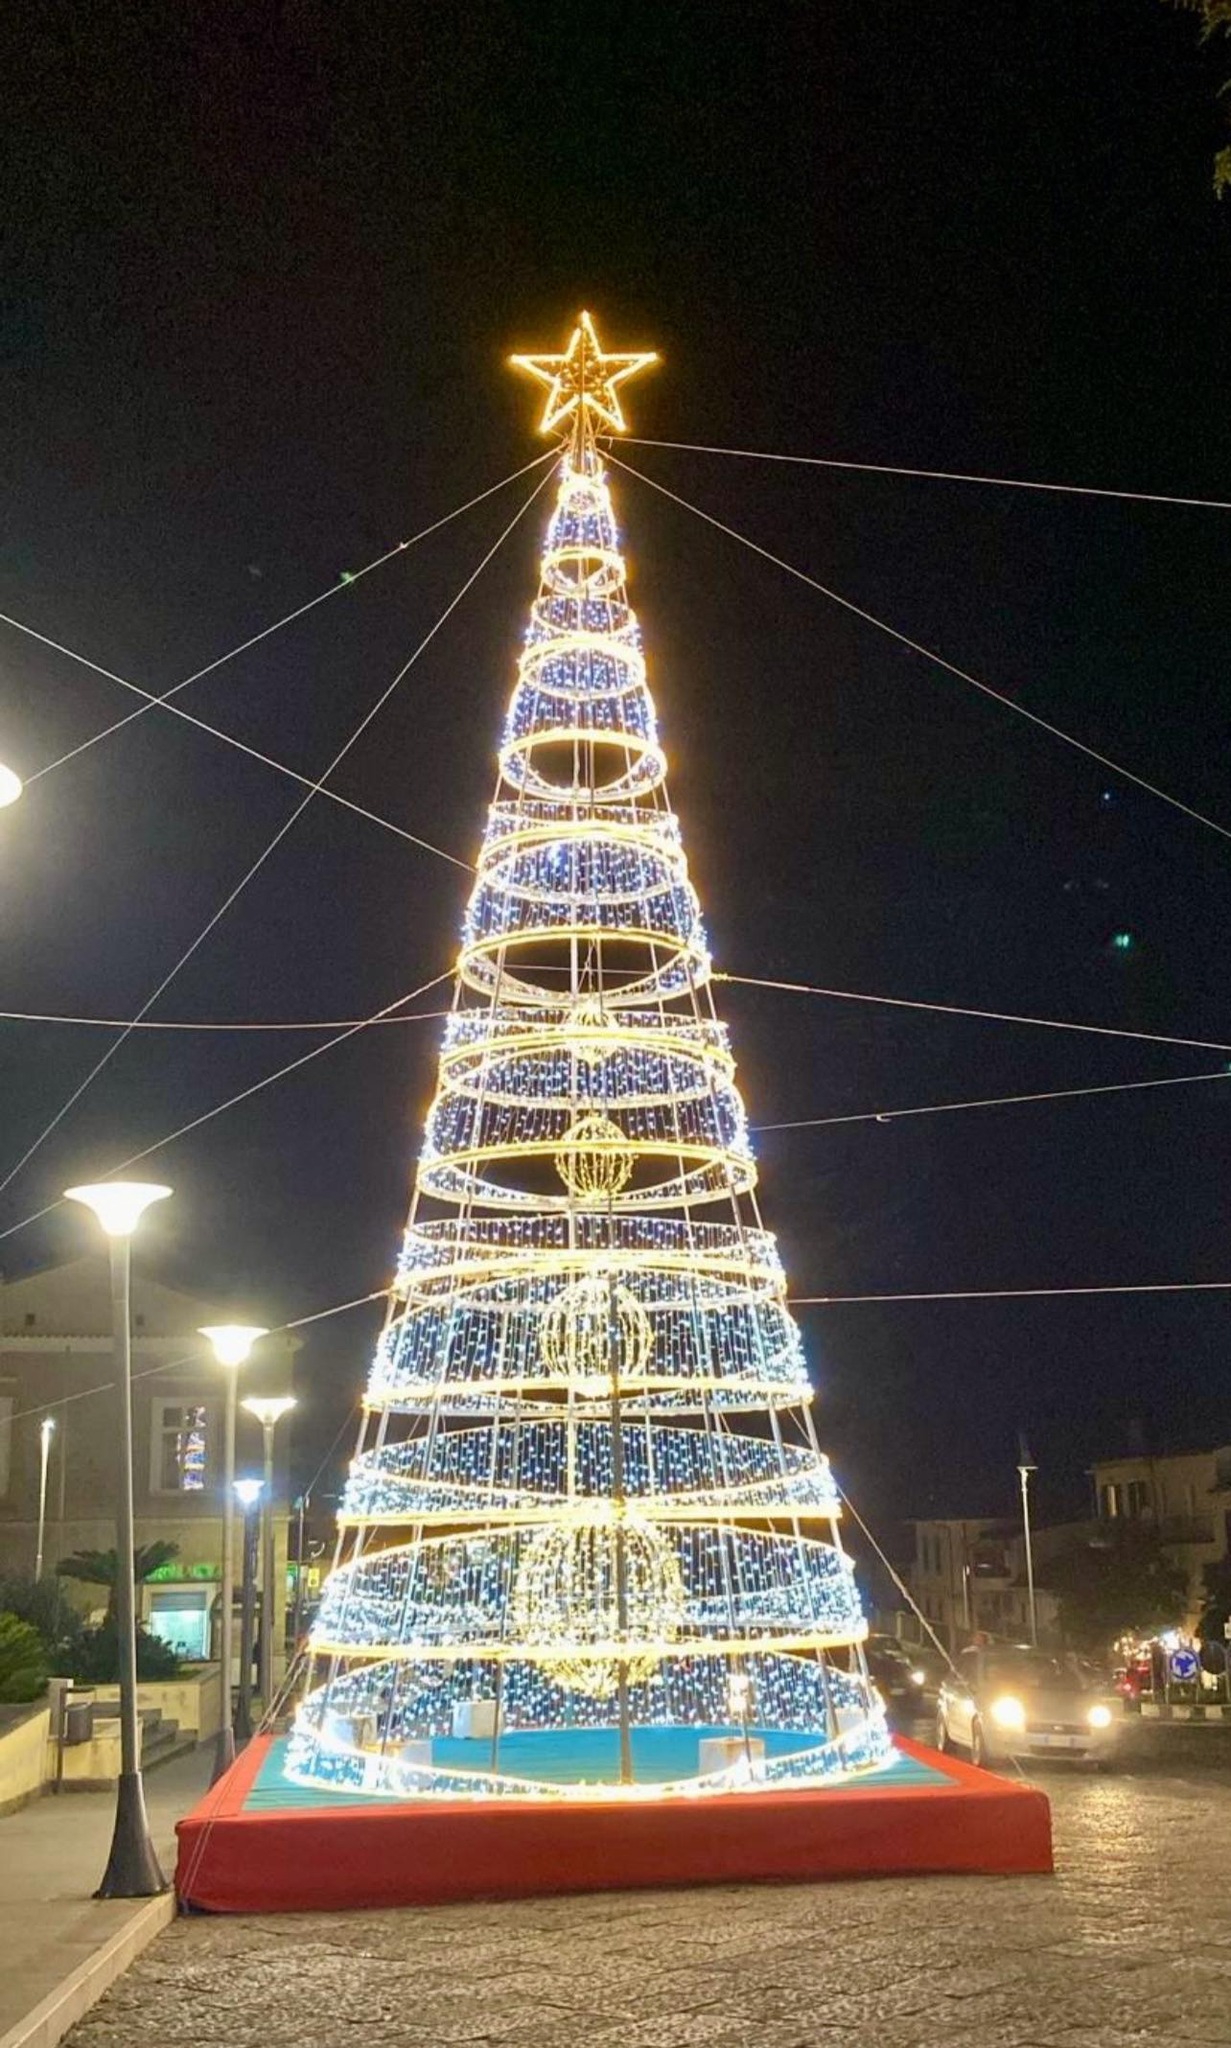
(272, 844)
(948, 476)
(891, 1116)
(928, 653)
(154, 702)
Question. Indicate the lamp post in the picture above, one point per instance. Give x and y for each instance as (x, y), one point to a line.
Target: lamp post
(231, 1344)
(1025, 1466)
(132, 1867)
(268, 1409)
(247, 1493)
(46, 1430)
(301, 1509)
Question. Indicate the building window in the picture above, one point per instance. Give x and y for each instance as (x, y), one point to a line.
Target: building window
(29, 1319)
(178, 1448)
(6, 1441)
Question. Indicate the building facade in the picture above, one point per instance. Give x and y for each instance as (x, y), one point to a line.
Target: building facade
(969, 1577)
(56, 1361)
(1186, 1498)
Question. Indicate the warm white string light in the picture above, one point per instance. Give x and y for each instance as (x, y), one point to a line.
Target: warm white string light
(555, 1516)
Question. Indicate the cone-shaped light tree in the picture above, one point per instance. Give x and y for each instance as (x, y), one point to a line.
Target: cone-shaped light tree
(588, 1528)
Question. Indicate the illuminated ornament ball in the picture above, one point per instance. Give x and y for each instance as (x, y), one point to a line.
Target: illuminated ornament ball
(594, 1162)
(570, 1604)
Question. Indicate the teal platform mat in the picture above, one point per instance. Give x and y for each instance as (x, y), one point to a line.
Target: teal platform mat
(563, 1756)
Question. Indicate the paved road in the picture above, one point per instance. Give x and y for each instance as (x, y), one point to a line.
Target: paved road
(1130, 1943)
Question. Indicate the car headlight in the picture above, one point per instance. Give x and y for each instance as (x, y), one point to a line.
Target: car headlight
(1008, 1712)
(1099, 1717)
(917, 1677)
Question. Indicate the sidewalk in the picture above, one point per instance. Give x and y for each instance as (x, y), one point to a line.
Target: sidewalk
(52, 1855)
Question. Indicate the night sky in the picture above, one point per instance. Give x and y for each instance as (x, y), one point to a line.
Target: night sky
(263, 269)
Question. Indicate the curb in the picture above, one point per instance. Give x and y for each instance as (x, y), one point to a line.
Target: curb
(52, 2017)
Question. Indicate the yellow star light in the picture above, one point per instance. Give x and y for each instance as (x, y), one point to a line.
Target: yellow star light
(582, 382)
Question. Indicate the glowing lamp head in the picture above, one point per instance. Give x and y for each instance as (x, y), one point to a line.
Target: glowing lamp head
(269, 1407)
(1099, 1716)
(47, 1428)
(118, 1204)
(10, 786)
(1008, 1712)
(248, 1492)
(232, 1342)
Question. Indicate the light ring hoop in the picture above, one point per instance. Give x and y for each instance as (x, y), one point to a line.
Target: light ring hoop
(559, 1389)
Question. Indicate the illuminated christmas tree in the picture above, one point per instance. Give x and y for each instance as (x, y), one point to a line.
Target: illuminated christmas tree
(588, 1538)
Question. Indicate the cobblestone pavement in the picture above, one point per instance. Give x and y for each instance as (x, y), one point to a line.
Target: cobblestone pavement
(1130, 1942)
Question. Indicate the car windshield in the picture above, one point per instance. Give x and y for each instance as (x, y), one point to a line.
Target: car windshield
(1032, 1670)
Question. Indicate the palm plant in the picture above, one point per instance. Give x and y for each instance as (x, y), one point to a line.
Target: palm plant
(101, 1567)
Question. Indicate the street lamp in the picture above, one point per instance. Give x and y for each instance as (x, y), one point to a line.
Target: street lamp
(267, 1409)
(132, 1867)
(1025, 1466)
(10, 786)
(247, 1492)
(231, 1344)
(46, 1431)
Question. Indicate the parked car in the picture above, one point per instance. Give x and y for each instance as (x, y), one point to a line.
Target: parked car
(898, 1679)
(1010, 1700)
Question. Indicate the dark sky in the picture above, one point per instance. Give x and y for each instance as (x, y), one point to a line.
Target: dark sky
(262, 271)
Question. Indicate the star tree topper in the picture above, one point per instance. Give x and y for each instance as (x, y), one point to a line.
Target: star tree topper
(581, 383)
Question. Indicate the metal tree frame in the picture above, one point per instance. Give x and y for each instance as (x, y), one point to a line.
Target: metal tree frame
(587, 1488)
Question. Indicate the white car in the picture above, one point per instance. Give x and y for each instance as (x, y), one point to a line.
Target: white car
(1014, 1701)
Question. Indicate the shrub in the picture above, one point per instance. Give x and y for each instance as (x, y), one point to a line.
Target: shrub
(44, 1604)
(23, 1662)
(96, 1658)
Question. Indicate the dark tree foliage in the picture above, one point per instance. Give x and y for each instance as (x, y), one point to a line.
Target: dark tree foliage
(1118, 1580)
(1215, 20)
(1215, 1612)
(44, 1604)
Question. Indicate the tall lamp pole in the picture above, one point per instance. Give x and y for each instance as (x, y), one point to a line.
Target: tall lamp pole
(1025, 1466)
(46, 1430)
(268, 1409)
(247, 1493)
(132, 1867)
(231, 1344)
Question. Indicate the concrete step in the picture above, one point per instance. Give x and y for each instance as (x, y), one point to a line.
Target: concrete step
(161, 1740)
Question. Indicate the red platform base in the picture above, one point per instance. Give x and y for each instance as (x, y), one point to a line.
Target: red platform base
(269, 1859)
